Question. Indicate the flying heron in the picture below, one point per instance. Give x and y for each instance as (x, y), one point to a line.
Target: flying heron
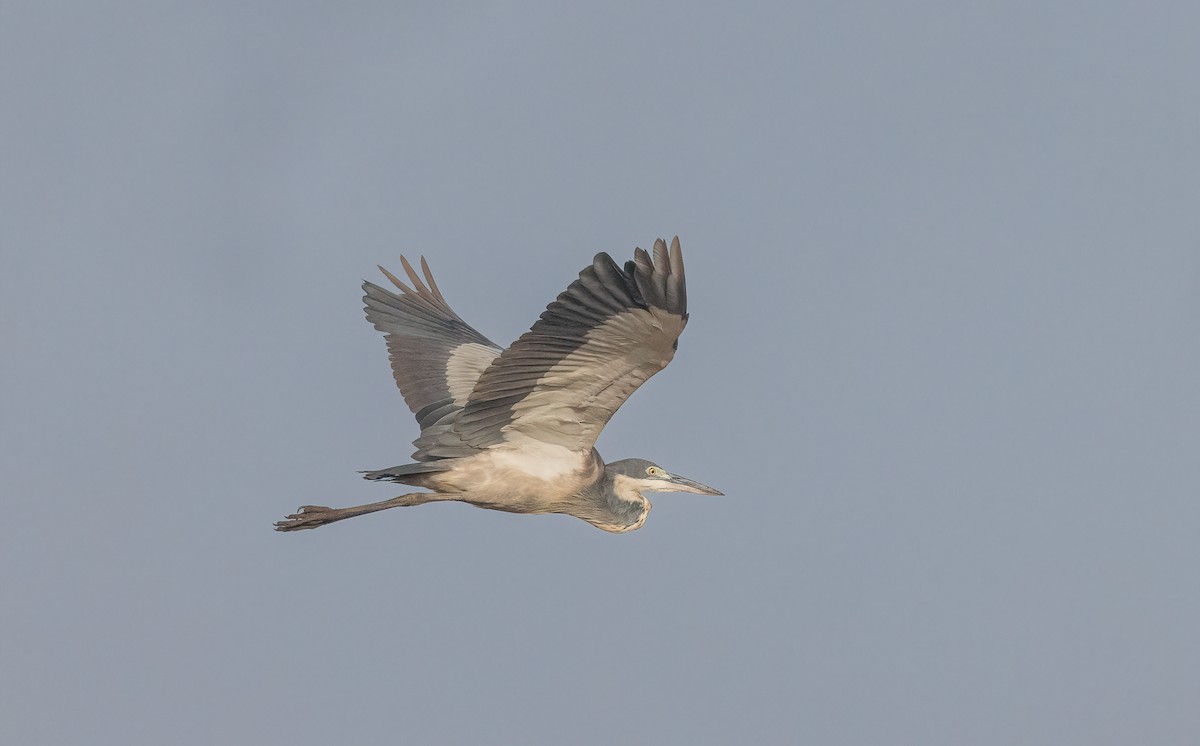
(514, 429)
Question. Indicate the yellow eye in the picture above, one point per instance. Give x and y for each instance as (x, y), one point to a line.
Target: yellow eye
(654, 471)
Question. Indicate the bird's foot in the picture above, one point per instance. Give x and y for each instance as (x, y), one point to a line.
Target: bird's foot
(310, 516)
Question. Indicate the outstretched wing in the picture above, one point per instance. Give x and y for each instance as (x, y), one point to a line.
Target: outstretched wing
(603, 337)
(436, 357)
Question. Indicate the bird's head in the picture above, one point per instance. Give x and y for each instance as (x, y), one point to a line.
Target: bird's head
(622, 506)
(636, 475)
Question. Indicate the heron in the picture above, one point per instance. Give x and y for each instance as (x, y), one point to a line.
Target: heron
(515, 429)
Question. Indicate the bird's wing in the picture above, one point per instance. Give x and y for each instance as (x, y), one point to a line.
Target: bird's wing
(436, 356)
(594, 345)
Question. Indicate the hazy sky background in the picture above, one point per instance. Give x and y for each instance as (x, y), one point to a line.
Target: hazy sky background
(944, 275)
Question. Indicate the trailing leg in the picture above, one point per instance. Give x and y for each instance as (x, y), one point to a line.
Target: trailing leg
(315, 516)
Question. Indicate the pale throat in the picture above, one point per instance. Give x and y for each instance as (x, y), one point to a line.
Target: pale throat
(630, 489)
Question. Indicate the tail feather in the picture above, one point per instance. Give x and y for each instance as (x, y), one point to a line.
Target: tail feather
(413, 474)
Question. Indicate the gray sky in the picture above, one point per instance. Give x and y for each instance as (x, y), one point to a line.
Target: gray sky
(944, 268)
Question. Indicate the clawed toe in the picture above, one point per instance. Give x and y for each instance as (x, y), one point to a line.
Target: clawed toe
(309, 516)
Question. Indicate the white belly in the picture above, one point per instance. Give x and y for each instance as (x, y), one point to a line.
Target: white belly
(526, 472)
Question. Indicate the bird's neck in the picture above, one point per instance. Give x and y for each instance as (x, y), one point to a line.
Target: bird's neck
(615, 504)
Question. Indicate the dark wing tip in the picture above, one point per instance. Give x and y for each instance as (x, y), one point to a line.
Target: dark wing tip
(676, 257)
(415, 280)
(606, 267)
(662, 261)
(395, 280)
(659, 276)
(429, 280)
(642, 261)
(422, 292)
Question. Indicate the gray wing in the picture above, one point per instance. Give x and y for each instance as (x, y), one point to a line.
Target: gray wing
(594, 345)
(436, 356)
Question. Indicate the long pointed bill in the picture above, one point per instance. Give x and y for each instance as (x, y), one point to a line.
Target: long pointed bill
(683, 484)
